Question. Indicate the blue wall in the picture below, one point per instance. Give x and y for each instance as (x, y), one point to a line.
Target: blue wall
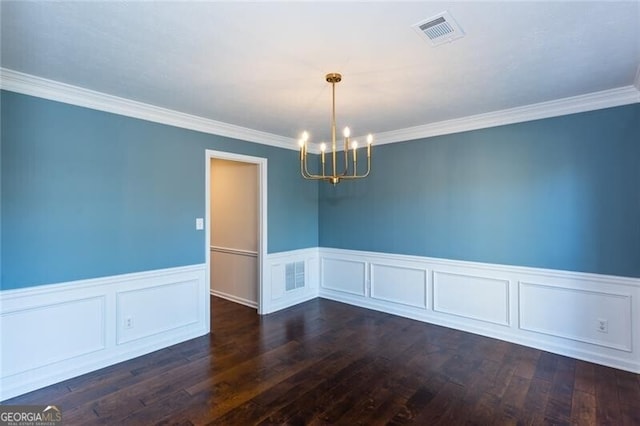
(560, 193)
(88, 194)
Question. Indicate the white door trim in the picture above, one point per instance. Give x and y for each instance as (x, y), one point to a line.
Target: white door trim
(262, 218)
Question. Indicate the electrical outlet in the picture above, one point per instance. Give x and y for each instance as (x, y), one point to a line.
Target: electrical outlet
(128, 322)
(602, 325)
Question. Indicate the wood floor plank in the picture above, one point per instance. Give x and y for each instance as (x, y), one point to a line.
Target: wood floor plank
(265, 404)
(304, 408)
(546, 366)
(585, 377)
(607, 397)
(561, 392)
(512, 403)
(527, 359)
(419, 400)
(535, 403)
(447, 397)
(583, 408)
(323, 362)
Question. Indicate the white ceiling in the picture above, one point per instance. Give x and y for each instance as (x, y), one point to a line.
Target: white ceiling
(261, 65)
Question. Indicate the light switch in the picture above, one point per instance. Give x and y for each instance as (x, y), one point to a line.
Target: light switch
(199, 223)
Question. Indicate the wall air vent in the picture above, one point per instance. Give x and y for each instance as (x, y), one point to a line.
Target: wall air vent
(439, 29)
(294, 275)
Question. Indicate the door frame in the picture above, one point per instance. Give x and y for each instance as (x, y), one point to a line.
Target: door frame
(262, 219)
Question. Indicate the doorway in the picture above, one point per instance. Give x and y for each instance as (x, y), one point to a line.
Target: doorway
(236, 227)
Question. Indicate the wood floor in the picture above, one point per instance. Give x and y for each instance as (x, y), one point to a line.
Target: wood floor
(324, 362)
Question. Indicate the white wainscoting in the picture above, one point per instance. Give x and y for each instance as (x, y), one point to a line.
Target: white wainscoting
(575, 314)
(556, 311)
(234, 276)
(344, 275)
(54, 332)
(485, 299)
(275, 295)
(399, 284)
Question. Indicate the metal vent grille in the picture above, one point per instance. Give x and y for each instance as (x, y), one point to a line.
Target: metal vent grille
(439, 29)
(294, 275)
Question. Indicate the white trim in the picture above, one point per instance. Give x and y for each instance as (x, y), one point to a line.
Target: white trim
(576, 104)
(262, 214)
(569, 331)
(49, 89)
(26, 84)
(358, 275)
(108, 322)
(42, 290)
(233, 298)
(505, 321)
(422, 303)
(87, 338)
(523, 270)
(611, 294)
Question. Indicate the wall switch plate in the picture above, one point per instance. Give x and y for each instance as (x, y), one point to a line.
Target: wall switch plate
(199, 223)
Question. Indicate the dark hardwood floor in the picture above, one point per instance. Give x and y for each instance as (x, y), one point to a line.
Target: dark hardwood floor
(324, 362)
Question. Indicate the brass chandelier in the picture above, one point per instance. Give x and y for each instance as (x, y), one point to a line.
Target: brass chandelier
(350, 170)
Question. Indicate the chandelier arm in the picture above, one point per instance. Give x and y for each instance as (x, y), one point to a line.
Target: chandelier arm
(305, 171)
(368, 166)
(368, 169)
(303, 162)
(357, 176)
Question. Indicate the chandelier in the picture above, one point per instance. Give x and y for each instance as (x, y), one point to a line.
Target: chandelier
(350, 170)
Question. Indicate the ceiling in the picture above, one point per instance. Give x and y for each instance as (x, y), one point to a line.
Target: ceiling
(261, 65)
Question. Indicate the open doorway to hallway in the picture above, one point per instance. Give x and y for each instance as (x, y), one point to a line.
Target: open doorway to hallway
(236, 225)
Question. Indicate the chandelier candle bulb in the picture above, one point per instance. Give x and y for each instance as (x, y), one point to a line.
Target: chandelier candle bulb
(346, 132)
(354, 145)
(323, 148)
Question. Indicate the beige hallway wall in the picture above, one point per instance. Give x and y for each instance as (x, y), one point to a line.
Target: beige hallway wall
(234, 230)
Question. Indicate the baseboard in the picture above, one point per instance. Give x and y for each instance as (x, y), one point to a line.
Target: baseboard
(556, 311)
(236, 299)
(292, 301)
(55, 332)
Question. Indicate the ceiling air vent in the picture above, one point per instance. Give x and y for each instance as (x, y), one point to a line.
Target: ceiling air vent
(439, 29)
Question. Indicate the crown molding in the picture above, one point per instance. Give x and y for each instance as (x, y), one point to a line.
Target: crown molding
(572, 105)
(49, 89)
(27, 84)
